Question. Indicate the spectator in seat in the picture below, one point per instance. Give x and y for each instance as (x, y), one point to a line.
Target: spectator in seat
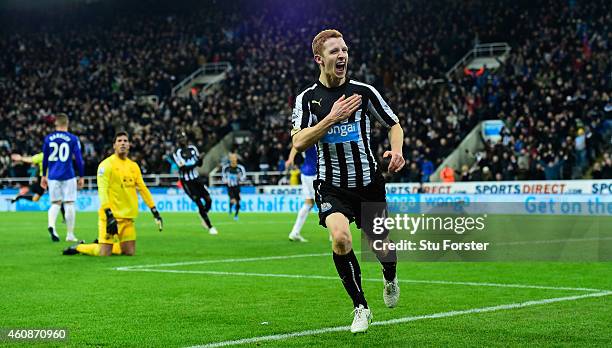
(447, 174)
(413, 173)
(581, 152)
(597, 173)
(465, 173)
(427, 168)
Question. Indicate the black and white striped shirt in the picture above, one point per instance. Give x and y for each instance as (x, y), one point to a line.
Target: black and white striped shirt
(232, 176)
(345, 156)
(188, 161)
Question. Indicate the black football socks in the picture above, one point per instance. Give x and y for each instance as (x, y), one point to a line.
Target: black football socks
(389, 264)
(350, 274)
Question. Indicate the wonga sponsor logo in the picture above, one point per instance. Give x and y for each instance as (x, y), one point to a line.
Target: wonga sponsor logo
(341, 133)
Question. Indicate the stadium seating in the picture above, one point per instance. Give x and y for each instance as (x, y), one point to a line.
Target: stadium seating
(553, 92)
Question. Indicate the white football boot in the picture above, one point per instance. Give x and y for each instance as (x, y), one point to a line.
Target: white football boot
(391, 292)
(362, 320)
(297, 238)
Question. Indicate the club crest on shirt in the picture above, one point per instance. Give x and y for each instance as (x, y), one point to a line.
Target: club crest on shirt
(325, 206)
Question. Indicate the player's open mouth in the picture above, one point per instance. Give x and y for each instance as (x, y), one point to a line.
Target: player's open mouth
(340, 67)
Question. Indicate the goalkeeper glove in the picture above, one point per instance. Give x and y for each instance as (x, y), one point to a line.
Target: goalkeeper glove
(158, 219)
(111, 223)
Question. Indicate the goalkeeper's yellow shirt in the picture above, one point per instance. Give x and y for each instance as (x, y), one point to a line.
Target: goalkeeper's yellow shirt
(118, 181)
(37, 161)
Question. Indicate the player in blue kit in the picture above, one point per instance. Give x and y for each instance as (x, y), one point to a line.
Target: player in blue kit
(309, 174)
(59, 149)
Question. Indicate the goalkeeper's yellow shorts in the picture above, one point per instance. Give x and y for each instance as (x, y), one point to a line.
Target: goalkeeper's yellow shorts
(126, 227)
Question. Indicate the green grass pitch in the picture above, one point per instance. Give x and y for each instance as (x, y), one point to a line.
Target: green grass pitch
(217, 298)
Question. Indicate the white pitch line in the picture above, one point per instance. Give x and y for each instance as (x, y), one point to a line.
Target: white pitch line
(201, 262)
(555, 241)
(402, 320)
(335, 278)
(289, 222)
(283, 257)
(267, 258)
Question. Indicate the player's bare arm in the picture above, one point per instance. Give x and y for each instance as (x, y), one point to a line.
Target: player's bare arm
(291, 158)
(396, 137)
(17, 158)
(342, 109)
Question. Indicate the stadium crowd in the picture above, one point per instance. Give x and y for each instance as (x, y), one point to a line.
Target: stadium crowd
(553, 92)
(553, 95)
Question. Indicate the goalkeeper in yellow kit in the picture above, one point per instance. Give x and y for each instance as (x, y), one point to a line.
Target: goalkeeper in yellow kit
(118, 180)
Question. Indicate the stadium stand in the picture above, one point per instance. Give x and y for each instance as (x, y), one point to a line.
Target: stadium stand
(96, 65)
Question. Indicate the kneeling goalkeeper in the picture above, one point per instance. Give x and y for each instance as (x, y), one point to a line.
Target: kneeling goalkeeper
(118, 180)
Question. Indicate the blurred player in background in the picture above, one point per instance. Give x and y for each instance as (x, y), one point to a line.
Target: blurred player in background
(294, 175)
(119, 178)
(188, 159)
(233, 174)
(34, 191)
(59, 149)
(309, 174)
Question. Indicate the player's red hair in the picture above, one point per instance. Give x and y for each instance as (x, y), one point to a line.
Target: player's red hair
(319, 40)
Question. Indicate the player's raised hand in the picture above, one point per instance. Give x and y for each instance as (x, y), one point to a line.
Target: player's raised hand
(397, 161)
(16, 157)
(344, 107)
